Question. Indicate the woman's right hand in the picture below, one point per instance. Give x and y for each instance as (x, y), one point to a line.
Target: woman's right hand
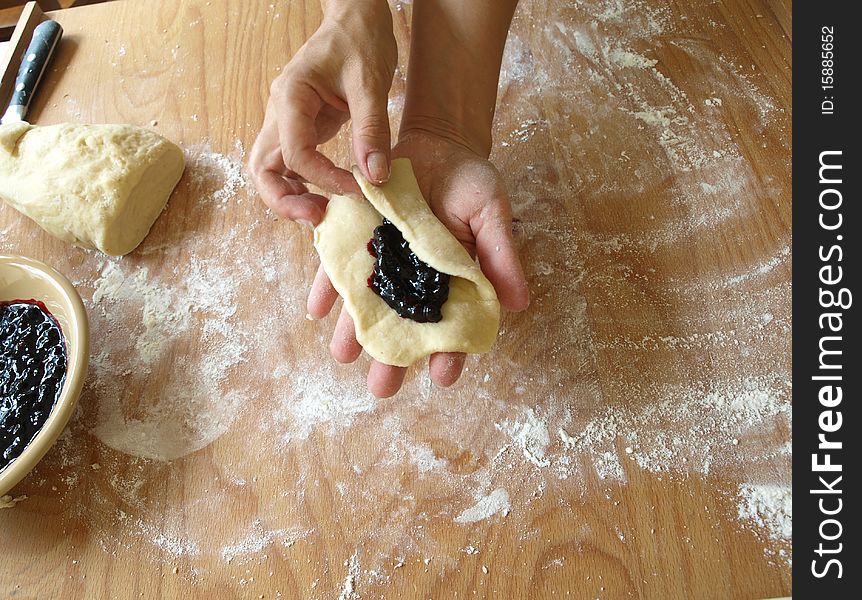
(344, 71)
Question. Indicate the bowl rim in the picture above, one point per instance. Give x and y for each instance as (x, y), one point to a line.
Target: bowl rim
(79, 353)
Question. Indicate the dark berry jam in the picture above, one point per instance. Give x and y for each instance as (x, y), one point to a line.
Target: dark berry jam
(409, 286)
(32, 372)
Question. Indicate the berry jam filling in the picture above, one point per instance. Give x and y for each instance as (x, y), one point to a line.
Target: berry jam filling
(409, 286)
(32, 372)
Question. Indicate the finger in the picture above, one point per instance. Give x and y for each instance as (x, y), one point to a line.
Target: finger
(344, 347)
(289, 199)
(371, 136)
(385, 380)
(497, 256)
(297, 132)
(315, 168)
(445, 367)
(284, 194)
(322, 295)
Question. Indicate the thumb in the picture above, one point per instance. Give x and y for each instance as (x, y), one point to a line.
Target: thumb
(498, 257)
(371, 137)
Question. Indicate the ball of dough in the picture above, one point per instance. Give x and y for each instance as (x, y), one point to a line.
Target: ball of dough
(96, 186)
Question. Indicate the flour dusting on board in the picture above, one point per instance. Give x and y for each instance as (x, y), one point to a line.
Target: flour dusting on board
(183, 409)
(206, 167)
(347, 589)
(258, 539)
(769, 507)
(316, 397)
(492, 504)
(530, 434)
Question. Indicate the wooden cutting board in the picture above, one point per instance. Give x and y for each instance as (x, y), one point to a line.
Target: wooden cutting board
(627, 437)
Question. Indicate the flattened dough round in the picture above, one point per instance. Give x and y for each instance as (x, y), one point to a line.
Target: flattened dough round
(96, 186)
(471, 315)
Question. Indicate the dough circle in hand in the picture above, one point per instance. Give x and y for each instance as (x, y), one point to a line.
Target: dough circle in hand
(471, 315)
(96, 186)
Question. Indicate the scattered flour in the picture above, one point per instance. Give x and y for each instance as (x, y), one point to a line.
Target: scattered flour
(206, 167)
(531, 434)
(761, 269)
(173, 545)
(423, 457)
(314, 396)
(769, 507)
(257, 539)
(687, 430)
(497, 502)
(184, 409)
(607, 464)
(348, 591)
(625, 59)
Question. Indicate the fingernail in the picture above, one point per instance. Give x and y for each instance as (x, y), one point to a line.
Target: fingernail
(378, 167)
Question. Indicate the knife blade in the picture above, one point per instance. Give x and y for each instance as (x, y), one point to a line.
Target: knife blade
(46, 35)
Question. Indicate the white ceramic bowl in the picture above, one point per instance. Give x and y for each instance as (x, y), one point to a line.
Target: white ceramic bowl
(23, 278)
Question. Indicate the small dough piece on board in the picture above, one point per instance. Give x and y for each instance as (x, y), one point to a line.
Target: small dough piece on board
(96, 186)
(471, 315)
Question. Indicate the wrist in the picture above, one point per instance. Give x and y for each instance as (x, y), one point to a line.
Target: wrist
(455, 54)
(445, 125)
(348, 9)
(364, 24)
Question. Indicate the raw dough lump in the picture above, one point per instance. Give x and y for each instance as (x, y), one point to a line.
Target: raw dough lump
(471, 315)
(96, 186)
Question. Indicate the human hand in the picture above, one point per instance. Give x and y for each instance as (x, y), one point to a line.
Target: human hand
(467, 194)
(344, 71)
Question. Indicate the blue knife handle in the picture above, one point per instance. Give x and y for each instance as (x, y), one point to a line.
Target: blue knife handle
(45, 38)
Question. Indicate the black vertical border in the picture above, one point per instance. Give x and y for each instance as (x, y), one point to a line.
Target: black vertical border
(813, 133)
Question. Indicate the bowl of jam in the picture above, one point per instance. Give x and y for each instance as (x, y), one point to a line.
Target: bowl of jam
(44, 351)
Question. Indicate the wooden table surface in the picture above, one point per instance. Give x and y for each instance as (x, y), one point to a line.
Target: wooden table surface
(627, 437)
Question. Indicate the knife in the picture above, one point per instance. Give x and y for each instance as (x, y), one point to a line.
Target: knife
(45, 38)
